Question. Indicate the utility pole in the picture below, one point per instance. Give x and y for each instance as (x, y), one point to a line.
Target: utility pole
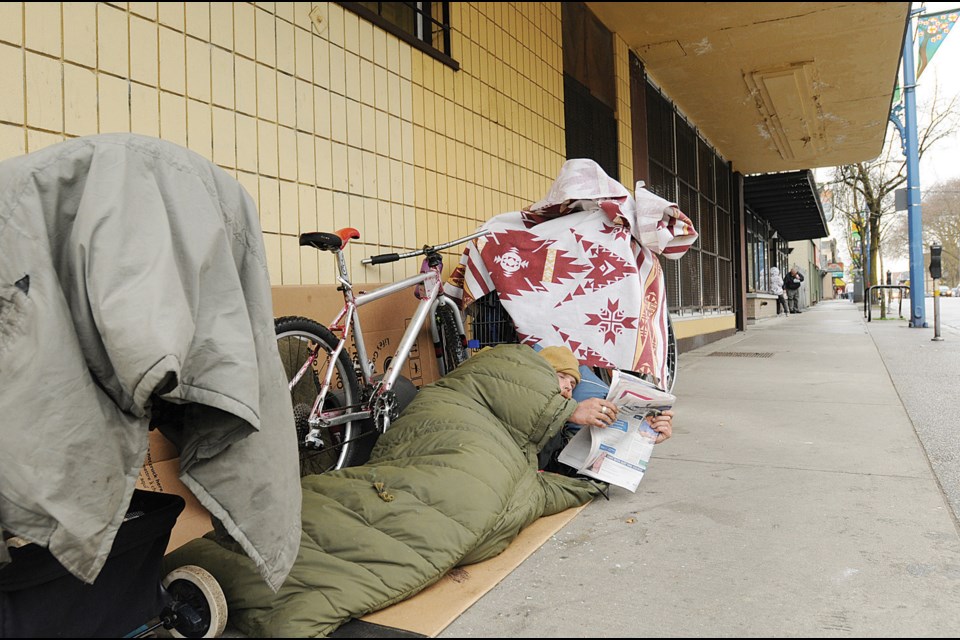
(914, 220)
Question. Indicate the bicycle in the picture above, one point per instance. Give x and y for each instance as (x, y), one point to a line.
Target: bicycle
(339, 404)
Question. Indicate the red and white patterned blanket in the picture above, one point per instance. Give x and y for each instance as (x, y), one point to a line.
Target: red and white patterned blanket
(580, 269)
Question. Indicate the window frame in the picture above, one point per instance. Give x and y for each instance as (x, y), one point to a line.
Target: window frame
(411, 39)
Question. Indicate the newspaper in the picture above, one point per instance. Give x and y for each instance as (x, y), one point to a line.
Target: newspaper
(619, 453)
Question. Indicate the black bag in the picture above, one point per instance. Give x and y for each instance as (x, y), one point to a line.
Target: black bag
(39, 598)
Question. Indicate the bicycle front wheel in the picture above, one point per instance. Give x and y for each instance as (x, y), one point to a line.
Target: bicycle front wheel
(451, 351)
(343, 444)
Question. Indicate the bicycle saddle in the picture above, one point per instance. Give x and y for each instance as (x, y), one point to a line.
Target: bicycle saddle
(329, 241)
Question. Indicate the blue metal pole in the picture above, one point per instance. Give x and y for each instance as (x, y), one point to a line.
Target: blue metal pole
(914, 221)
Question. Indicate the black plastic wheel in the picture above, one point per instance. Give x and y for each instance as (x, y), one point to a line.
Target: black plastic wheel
(297, 339)
(194, 589)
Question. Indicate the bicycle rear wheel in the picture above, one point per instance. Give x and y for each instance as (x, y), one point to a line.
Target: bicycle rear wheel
(673, 354)
(451, 351)
(344, 444)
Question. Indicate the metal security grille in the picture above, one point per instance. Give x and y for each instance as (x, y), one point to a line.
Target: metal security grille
(660, 141)
(671, 276)
(706, 173)
(690, 295)
(725, 277)
(489, 323)
(687, 200)
(710, 284)
(686, 153)
(742, 354)
(591, 130)
(724, 234)
(685, 169)
(708, 225)
(662, 183)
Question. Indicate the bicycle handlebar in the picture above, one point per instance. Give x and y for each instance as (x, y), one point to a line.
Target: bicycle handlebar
(386, 257)
(393, 257)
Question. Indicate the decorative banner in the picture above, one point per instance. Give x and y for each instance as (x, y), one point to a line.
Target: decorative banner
(931, 31)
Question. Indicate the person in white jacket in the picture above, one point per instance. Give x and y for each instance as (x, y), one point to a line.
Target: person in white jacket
(776, 288)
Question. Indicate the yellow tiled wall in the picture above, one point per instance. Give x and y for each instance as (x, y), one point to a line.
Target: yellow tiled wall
(488, 138)
(327, 123)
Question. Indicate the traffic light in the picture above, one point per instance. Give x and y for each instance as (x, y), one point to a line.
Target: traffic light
(935, 272)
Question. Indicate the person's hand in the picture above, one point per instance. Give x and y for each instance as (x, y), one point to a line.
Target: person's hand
(663, 425)
(595, 412)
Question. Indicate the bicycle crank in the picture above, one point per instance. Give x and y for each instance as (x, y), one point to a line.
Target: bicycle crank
(385, 410)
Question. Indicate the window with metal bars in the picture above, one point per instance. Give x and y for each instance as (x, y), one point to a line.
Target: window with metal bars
(425, 25)
(685, 169)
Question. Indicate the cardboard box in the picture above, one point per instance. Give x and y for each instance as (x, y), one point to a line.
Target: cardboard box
(161, 472)
(384, 322)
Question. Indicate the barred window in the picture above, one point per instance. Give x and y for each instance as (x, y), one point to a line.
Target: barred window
(685, 169)
(425, 25)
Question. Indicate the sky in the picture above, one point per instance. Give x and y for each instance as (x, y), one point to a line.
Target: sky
(941, 162)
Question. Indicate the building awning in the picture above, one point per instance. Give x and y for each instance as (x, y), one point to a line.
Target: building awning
(789, 201)
(773, 86)
(838, 282)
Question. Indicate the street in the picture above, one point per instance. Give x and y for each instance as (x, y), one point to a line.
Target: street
(949, 311)
(926, 374)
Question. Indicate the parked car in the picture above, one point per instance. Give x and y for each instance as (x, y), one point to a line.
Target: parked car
(945, 291)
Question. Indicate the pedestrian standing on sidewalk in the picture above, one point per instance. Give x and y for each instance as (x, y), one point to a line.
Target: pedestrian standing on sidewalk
(792, 284)
(776, 288)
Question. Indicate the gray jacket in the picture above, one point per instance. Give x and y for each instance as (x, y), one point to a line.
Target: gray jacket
(132, 267)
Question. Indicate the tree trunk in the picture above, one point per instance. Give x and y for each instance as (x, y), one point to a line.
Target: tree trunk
(875, 278)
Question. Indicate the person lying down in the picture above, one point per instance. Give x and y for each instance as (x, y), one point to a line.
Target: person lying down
(451, 483)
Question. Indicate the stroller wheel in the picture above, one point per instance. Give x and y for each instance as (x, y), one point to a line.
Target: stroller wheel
(194, 587)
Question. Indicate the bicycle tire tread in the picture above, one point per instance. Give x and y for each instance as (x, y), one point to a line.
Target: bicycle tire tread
(354, 454)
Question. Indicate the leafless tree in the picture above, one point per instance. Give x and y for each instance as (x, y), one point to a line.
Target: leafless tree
(940, 210)
(863, 192)
(941, 225)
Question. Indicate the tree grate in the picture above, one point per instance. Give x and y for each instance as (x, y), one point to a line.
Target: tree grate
(742, 354)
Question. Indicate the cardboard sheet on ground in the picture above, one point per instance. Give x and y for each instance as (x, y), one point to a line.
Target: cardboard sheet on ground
(433, 609)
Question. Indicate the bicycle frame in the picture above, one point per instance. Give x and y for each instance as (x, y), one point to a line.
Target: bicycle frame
(349, 320)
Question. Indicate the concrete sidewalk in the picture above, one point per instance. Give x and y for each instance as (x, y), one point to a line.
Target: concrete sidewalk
(789, 503)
